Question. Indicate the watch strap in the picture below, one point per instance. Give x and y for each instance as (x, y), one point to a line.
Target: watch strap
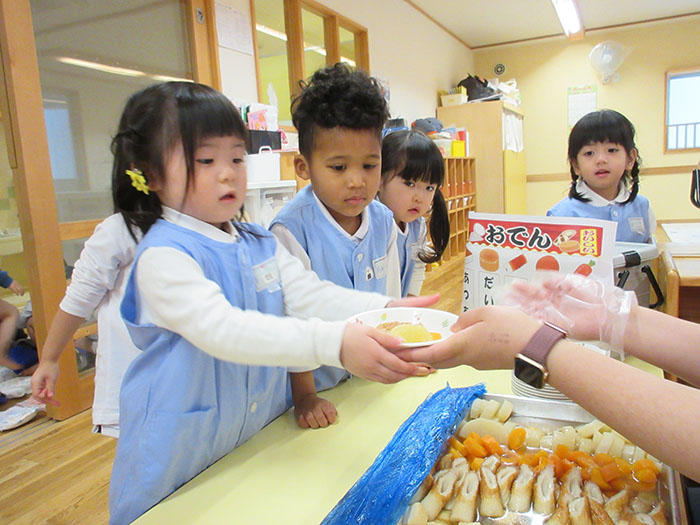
(541, 344)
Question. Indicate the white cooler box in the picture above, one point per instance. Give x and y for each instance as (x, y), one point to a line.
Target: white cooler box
(633, 272)
(265, 199)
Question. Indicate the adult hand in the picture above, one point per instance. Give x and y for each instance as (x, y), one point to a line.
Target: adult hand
(586, 308)
(419, 301)
(365, 353)
(486, 338)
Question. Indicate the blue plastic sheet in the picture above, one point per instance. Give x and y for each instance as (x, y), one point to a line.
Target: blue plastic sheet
(382, 494)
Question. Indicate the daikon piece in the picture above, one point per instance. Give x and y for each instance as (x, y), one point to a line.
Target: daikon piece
(533, 437)
(505, 410)
(603, 447)
(490, 407)
(477, 406)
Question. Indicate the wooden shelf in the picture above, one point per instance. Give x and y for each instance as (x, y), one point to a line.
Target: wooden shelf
(460, 195)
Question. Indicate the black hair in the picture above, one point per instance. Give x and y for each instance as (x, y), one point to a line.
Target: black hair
(153, 122)
(411, 155)
(605, 125)
(336, 96)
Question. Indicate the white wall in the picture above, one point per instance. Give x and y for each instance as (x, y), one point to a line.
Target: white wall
(412, 53)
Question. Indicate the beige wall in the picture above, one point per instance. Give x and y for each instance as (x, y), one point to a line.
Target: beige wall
(414, 55)
(417, 57)
(545, 69)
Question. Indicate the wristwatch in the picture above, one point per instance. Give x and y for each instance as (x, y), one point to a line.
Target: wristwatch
(530, 363)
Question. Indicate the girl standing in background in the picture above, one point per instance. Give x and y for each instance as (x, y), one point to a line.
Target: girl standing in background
(413, 172)
(604, 165)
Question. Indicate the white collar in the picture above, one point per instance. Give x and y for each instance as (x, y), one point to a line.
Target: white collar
(229, 234)
(596, 200)
(364, 222)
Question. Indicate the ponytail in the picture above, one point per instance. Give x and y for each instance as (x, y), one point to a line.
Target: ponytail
(439, 228)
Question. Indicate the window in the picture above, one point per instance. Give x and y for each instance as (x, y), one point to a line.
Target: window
(295, 38)
(682, 110)
(65, 144)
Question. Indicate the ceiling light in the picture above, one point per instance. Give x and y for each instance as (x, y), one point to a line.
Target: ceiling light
(101, 67)
(271, 32)
(569, 18)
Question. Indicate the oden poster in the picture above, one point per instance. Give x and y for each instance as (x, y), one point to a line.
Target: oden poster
(503, 248)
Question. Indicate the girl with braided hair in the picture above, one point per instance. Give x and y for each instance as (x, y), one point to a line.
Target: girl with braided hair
(604, 165)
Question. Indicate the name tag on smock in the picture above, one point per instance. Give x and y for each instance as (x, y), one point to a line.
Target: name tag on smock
(379, 266)
(267, 276)
(636, 224)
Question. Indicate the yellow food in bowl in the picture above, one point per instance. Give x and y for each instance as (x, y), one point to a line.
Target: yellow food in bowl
(411, 333)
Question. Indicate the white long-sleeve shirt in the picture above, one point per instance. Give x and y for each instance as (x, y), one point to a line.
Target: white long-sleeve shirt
(98, 283)
(175, 295)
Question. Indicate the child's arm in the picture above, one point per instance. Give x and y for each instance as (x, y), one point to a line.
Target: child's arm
(60, 334)
(8, 327)
(310, 410)
(8, 282)
(175, 293)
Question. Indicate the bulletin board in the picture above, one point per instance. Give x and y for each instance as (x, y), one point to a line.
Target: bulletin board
(506, 248)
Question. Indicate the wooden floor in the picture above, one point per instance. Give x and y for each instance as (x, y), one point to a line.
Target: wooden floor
(57, 472)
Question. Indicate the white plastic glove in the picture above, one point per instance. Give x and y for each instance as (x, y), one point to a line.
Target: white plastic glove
(586, 308)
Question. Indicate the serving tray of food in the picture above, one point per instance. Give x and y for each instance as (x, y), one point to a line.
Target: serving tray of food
(515, 460)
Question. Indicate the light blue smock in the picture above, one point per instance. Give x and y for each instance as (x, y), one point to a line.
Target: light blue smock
(180, 408)
(409, 245)
(335, 257)
(632, 218)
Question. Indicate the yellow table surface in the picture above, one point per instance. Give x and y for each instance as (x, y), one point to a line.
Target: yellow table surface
(288, 475)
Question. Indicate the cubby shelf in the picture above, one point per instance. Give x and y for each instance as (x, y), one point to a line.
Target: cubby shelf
(459, 191)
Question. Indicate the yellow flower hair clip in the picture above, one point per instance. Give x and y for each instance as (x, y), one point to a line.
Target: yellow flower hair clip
(138, 181)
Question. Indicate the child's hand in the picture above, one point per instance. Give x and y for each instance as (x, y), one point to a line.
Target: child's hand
(16, 288)
(312, 411)
(44, 382)
(365, 353)
(420, 301)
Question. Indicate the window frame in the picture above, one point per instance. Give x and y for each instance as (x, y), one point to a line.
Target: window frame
(332, 22)
(695, 71)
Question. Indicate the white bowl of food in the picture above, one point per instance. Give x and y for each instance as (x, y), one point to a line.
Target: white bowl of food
(416, 326)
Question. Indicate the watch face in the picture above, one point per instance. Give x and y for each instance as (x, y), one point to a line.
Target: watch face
(530, 372)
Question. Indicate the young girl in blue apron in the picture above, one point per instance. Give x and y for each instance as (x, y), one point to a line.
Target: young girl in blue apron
(206, 298)
(605, 177)
(413, 171)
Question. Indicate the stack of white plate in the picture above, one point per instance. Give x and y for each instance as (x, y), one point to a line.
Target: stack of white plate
(521, 388)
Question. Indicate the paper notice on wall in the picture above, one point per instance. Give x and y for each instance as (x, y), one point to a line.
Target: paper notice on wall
(581, 101)
(505, 248)
(234, 29)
